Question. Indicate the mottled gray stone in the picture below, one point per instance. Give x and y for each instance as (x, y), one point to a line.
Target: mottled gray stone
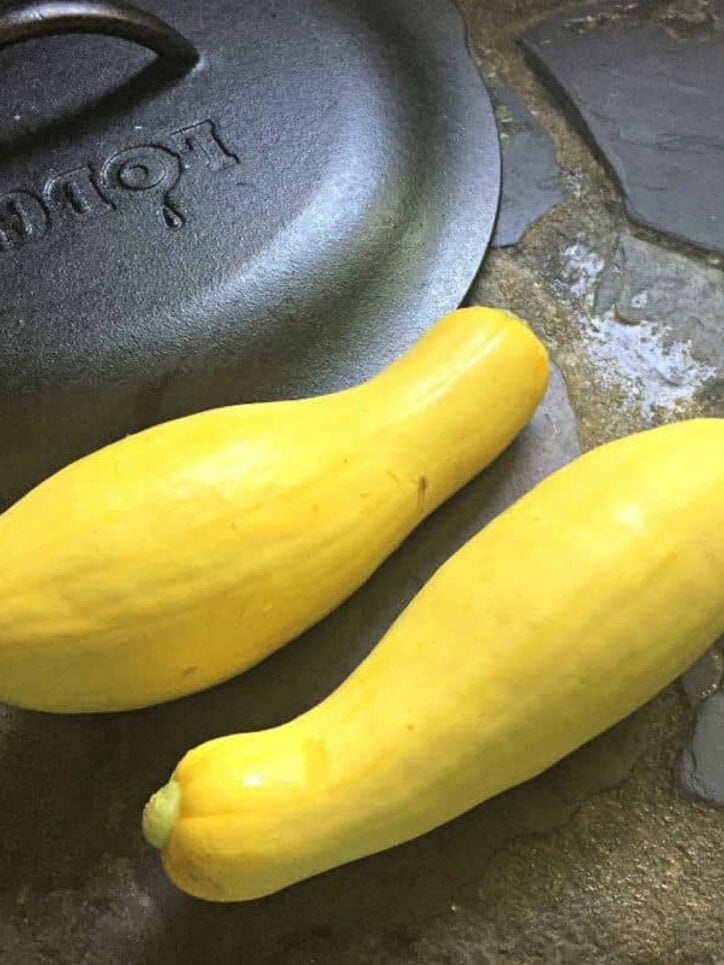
(645, 80)
(702, 764)
(644, 283)
(531, 181)
(658, 365)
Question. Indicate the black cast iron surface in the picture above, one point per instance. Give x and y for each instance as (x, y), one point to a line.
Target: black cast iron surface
(283, 220)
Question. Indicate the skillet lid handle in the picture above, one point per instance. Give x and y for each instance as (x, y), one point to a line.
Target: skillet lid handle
(40, 18)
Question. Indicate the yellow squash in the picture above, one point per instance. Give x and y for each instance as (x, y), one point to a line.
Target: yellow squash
(567, 612)
(181, 556)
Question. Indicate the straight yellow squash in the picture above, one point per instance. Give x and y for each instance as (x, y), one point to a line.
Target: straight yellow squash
(566, 613)
(180, 556)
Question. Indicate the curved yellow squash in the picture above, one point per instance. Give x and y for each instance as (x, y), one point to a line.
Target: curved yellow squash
(567, 612)
(180, 556)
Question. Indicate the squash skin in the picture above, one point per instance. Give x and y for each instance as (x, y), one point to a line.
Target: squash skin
(183, 555)
(566, 613)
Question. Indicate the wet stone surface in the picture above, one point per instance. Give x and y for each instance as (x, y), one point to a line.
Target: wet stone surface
(644, 284)
(602, 860)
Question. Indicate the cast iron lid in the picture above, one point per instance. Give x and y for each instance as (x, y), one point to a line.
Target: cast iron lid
(207, 203)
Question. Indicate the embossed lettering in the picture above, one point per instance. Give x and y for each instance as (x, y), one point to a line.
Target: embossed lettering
(142, 173)
(75, 192)
(140, 170)
(202, 142)
(22, 219)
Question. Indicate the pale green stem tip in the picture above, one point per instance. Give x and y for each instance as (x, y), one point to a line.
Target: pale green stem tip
(159, 815)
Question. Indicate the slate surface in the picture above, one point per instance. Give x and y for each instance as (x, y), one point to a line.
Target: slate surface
(645, 80)
(530, 178)
(702, 764)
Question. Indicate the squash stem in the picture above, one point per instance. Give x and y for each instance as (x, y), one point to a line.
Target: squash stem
(159, 815)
